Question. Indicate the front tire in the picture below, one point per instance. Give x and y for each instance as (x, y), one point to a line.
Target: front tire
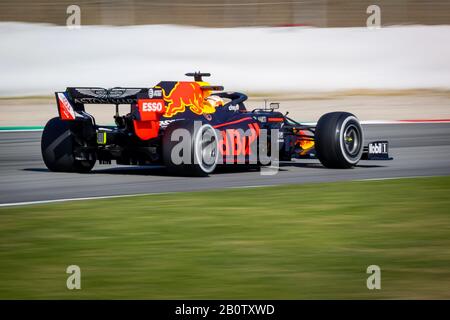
(57, 147)
(339, 140)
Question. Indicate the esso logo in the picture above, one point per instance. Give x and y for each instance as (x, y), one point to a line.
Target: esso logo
(152, 106)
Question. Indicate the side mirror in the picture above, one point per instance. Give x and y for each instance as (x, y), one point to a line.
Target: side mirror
(274, 105)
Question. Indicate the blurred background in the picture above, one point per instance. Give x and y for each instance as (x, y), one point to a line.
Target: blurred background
(317, 53)
(230, 13)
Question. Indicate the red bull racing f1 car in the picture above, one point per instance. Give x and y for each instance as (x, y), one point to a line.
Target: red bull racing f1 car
(220, 130)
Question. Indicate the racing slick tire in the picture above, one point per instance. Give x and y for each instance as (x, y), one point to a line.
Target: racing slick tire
(57, 145)
(202, 147)
(339, 140)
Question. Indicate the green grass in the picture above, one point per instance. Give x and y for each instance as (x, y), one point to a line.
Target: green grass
(299, 241)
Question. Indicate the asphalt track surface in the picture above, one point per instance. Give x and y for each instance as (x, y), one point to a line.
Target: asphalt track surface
(418, 150)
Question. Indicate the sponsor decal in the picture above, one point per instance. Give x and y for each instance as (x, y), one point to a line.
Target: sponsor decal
(149, 109)
(186, 95)
(154, 93)
(275, 119)
(237, 142)
(303, 141)
(65, 108)
(152, 106)
(378, 148)
(99, 101)
(165, 123)
(113, 95)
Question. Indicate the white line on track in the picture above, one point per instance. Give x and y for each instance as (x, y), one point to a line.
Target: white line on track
(27, 203)
(256, 186)
(394, 178)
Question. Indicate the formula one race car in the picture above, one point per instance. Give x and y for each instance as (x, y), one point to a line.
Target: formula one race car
(191, 127)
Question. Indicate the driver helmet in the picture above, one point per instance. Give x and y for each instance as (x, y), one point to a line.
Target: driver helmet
(215, 101)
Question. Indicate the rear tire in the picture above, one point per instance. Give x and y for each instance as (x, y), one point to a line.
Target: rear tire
(203, 144)
(57, 145)
(339, 140)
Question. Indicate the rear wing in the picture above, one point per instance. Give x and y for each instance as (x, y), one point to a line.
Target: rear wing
(117, 95)
(71, 102)
(147, 105)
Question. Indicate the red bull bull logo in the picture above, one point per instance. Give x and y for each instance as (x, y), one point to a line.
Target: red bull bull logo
(304, 142)
(186, 95)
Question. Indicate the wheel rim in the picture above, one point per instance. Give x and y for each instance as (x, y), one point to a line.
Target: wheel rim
(207, 148)
(352, 140)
